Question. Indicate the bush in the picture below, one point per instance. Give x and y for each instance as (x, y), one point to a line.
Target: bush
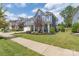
(62, 28)
(52, 30)
(75, 28)
(28, 32)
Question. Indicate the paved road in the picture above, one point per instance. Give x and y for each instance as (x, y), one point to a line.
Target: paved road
(44, 49)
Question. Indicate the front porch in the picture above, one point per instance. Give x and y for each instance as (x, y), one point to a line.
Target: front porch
(44, 29)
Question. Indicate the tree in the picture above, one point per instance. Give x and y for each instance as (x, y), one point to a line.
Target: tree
(67, 13)
(3, 22)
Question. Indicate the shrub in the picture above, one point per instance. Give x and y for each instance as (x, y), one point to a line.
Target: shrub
(52, 30)
(62, 28)
(28, 32)
(75, 28)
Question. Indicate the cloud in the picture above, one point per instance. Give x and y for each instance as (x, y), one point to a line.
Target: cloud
(10, 16)
(44, 10)
(30, 16)
(49, 5)
(56, 7)
(34, 10)
(22, 15)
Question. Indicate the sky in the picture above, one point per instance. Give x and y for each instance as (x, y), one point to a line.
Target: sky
(15, 10)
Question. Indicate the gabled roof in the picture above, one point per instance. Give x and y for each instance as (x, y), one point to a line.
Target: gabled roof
(38, 12)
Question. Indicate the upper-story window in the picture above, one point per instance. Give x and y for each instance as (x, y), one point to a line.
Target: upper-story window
(48, 18)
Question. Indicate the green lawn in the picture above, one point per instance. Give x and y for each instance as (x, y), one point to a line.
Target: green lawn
(61, 39)
(10, 48)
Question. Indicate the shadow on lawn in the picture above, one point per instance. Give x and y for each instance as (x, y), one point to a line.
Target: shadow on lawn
(3, 37)
(36, 33)
(7, 37)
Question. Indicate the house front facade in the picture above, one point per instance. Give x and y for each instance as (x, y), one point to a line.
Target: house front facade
(41, 22)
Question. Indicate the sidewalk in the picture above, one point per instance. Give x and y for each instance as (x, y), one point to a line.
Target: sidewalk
(45, 49)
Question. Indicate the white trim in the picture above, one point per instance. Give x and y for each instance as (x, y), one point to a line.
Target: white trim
(48, 26)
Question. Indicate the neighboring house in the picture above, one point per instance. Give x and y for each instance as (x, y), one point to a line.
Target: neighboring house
(76, 16)
(41, 22)
(14, 24)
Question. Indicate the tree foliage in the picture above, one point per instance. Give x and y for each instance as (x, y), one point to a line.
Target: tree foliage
(3, 22)
(75, 28)
(67, 13)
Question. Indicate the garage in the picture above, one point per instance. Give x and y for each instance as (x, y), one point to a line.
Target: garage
(26, 29)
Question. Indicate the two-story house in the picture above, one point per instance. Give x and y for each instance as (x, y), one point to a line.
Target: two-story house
(41, 22)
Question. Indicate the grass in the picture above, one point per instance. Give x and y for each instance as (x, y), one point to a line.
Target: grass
(60, 39)
(10, 48)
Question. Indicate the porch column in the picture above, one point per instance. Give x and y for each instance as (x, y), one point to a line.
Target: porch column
(43, 29)
(48, 26)
(33, 28)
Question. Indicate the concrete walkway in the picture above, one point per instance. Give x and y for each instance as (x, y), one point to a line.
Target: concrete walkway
(44, 49)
